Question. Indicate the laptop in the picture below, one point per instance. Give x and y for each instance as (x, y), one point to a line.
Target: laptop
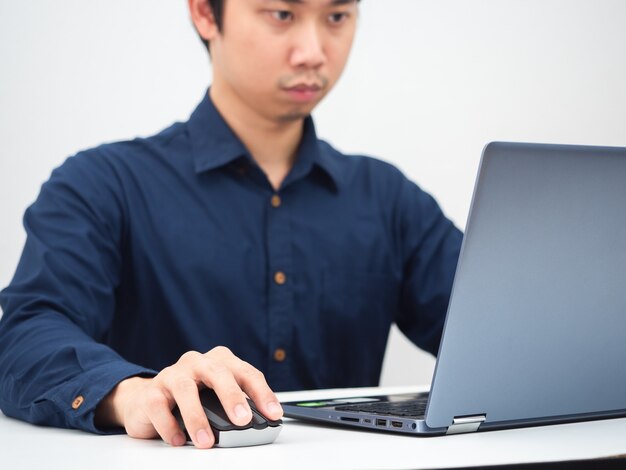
(535, 331)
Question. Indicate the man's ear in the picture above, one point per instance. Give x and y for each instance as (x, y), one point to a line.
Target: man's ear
(203, 19)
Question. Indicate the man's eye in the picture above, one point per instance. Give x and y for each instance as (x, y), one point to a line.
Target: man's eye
(282, 15)
(337, 18)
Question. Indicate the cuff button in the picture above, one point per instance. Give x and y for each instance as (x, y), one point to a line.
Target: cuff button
(77, 402)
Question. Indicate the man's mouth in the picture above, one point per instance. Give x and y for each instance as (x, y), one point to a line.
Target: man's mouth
(305, 87)
(304, 92)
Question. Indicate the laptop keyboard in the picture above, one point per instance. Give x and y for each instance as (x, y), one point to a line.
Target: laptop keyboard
(414, 408)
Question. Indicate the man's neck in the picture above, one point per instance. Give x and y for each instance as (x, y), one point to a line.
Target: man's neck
(273, 145)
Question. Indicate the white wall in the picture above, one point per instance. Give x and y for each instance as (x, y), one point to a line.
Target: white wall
(428, 84)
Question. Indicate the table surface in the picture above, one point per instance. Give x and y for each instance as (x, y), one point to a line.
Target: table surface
(303, 446)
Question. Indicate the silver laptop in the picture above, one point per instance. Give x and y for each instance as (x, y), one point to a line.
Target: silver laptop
(536, 327)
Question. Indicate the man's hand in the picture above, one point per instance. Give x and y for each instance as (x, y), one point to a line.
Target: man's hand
(143, 406)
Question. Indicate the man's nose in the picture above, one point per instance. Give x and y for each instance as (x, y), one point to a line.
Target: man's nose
(308, 49)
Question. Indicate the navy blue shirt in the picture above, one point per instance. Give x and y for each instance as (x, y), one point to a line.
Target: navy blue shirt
(139, 251)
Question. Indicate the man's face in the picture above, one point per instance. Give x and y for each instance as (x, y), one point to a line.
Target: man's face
(279, 58)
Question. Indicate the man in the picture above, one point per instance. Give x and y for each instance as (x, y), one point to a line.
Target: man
(238, 233)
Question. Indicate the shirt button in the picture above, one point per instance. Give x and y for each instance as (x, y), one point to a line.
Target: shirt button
(77, 402)
(242, 168)
(276, 200)
(280, 278)
(280, 355)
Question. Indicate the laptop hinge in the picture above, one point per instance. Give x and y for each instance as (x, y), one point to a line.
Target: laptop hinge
(466, 424)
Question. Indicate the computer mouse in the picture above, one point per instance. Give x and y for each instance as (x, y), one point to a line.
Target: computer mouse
(260, 430)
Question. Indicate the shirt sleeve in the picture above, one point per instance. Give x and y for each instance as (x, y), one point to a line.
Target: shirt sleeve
(430, 246)
(54, 365)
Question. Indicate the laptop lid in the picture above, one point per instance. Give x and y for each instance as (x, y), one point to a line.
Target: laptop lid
(536, 326)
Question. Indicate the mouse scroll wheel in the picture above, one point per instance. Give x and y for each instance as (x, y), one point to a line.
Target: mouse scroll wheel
(258, 420)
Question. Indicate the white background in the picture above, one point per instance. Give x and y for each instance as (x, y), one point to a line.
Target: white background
(429, 83)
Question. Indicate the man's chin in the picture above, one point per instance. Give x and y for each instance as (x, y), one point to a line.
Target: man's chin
(296, 113)
(291, 117)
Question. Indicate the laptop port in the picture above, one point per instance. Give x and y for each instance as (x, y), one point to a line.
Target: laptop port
(367, 421)
(347, 418)
(381, 422)
(396, 424)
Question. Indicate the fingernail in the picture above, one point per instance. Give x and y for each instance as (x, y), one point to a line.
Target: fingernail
(240, 411)
(274, 408)
(203, 438)
(178, 440)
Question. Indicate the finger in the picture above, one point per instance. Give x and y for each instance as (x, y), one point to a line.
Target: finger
(184, 390)
(252, 381)
(158, 411)
(216, 374)
(254, 384)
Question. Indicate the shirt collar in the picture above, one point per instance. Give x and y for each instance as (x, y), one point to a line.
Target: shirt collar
(214, 145)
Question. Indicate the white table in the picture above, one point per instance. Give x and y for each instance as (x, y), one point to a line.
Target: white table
(303, 446)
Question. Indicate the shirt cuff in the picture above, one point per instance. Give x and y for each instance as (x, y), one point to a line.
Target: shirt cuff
(79, 397)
